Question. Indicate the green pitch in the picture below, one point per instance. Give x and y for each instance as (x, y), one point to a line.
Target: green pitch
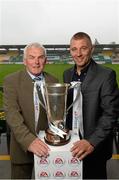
(55, 69)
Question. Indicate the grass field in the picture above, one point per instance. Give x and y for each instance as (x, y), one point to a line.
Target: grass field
(55, 69)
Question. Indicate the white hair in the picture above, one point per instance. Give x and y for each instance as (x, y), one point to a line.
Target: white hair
(35, 44)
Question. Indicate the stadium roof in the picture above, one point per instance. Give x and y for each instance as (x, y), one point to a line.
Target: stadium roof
(58, 47)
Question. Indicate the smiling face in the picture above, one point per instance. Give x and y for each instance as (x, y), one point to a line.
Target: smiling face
(81, 51)
(35, 60)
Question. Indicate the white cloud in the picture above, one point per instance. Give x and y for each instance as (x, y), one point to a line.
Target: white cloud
(55, 21)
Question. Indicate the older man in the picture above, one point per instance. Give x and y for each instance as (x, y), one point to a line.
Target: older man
(19, 108)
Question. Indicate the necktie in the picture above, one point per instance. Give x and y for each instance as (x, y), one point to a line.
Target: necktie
(38, 100)
(37, 78)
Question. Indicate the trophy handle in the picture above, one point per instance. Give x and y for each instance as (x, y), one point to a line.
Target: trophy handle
(73, 85)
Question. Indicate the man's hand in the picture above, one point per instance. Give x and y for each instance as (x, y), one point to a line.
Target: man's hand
(81, 149)
(39, 148)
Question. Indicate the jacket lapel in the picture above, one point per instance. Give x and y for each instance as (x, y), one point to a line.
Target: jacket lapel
(70, 75)
(28, 84)
(90, 75)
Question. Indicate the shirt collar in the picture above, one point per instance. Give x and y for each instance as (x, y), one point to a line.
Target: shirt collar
(84, 70)
(32, 76)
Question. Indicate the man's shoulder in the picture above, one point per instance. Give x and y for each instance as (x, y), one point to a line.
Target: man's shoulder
(50, 77)
(14, 75)
(69, 70)
(102, 68)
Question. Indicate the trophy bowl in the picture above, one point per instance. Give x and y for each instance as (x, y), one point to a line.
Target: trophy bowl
(56, 100)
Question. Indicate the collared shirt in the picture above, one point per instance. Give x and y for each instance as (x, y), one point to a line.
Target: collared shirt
(33, 76)
(82, 75)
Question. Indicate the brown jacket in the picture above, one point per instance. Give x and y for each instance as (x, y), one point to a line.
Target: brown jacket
(19, 108)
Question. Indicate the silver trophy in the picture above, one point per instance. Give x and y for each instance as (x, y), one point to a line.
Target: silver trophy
(55, 100)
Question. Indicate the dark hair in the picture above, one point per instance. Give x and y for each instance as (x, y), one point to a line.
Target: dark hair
(81, 35)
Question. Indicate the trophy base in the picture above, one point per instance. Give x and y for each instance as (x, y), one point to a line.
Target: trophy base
(55, 140)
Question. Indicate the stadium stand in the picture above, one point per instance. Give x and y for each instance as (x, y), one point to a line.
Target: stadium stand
(103, 53)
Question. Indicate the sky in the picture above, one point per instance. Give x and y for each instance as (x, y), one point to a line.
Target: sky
(55, 21)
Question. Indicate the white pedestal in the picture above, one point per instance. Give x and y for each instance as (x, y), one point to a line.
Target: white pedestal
(59, 164)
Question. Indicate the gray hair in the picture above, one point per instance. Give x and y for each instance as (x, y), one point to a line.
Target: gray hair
(37, 45)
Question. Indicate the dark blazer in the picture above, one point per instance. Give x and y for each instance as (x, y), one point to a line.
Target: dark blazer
(100, 106)
(19, 108)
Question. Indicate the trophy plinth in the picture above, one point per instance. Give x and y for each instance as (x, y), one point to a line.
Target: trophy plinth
(55, 140)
